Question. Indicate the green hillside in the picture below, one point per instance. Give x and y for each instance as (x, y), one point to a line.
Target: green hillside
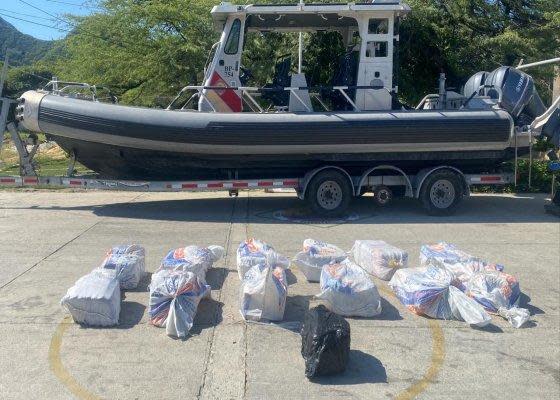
(24, 49)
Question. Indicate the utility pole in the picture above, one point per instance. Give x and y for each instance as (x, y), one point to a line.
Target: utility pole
(4, 73)
(4, 102)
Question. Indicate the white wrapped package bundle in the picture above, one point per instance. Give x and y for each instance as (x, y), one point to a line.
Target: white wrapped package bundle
(127, 264)
(379, 258)
(498, 293)
(197, 260)
(94, 300)
(429, 291)
(461, 264)
(315, 256)
(174, 299)
(348, 291)
(256, 252)
(263, 293)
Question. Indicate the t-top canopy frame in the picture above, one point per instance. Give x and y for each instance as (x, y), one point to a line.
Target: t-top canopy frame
(304, 17)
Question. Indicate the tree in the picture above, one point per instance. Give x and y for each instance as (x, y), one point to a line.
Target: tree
(147, 49)
(22, 79)
(143, 49)
(462, 37)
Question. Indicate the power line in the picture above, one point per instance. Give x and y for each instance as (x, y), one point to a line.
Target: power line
(43, 11)
(25, 15)
(83, 5)
(74, 26)
(36, 23)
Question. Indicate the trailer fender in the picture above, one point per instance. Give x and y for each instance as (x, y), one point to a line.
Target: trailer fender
(425, 173)
(409, 191)
(308, 176)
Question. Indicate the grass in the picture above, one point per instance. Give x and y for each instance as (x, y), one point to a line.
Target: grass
(48, 162)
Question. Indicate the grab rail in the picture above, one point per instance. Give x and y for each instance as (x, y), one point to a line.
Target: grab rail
(67, 85)
(247, 90)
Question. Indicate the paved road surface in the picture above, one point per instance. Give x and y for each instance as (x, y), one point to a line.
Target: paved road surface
(50, 239)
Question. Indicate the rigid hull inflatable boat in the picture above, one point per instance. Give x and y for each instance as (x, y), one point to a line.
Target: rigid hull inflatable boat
(126, 142)
(361, 125)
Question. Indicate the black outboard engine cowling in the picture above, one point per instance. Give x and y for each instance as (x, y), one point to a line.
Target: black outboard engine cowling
(518, 92)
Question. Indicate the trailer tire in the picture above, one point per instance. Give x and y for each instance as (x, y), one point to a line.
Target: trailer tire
(382, 195)
(329, 193)
(441, 193)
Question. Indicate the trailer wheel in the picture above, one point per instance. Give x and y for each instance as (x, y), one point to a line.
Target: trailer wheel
(441, 193)
(382, 195)
(329, 193)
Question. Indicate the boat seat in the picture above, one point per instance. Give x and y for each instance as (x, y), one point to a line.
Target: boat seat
(297, 105)
(281, 80)
(345, 75)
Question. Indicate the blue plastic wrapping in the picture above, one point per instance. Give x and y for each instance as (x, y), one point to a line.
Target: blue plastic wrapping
(458, 262)
(126, 263)
(433, 292)
(197, 260)
(174, 299)
(347, 290)
(264, 291)
(315, 255)
(252, 252)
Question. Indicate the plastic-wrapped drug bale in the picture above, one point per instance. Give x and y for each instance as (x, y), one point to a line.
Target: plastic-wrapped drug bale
(498, 293)
(253, 252)
(379, 258)
(325, 342)
(174, 299)
(264, 290)
(315, 256)
(197, 260)
(347, 290)
(94, 300)
(429, 291)
(461, 264)
(127, 264)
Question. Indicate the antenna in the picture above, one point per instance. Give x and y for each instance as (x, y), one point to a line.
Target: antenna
(300, 50)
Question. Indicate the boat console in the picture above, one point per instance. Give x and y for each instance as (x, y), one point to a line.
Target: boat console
(372, 25)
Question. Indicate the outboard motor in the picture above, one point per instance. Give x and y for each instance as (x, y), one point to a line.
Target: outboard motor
(474, 83)
(521, 99)
(518, 92)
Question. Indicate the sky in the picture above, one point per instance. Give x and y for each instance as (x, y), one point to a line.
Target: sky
(14, 11)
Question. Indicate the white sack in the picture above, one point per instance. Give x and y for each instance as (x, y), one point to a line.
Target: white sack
(461, 264)
(126, 263)
(254, 252)
(379, 258)
(429, 291)
(94, 300)
(197, 260)
(498, 293)
(348, 291)
(174, 299)
(264, 290)
(315, 256)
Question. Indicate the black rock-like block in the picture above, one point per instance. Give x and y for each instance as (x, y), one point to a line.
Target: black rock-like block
(325, 343)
